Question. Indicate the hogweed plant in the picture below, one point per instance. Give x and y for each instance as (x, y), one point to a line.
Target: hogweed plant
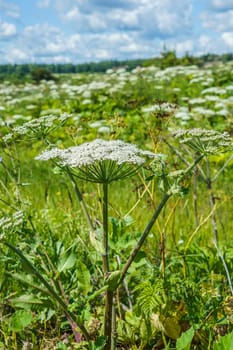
(38, 129)
(103, 162)
(209, 142)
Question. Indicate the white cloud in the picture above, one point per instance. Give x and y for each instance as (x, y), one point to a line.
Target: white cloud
(205, 44)
(18, 54)
(9, 9)
(204, 41)
(146, 17)
(184, 47)
(222, 4)
(228, 39)
(7, 30)
(43, 3)
(92, 30)
(219, 21)
(72, 14)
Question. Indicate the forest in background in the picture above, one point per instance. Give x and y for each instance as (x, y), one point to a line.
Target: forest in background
(36, 72)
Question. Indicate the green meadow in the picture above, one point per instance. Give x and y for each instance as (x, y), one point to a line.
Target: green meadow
(116, 201)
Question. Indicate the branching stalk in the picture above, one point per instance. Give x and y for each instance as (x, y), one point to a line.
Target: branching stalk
(144, 235)
(50, 289)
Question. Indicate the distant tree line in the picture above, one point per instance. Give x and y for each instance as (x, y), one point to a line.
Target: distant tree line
(38, 72)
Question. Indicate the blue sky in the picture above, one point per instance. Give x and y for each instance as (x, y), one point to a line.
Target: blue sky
(77, 31)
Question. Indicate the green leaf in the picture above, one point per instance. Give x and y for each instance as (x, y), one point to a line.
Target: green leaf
(100, 342)
(25, 301)
(66, 262)
(27, 279)
(113, 280)
(224, 343)
(185, 340)
(84, 278)
(20, 320)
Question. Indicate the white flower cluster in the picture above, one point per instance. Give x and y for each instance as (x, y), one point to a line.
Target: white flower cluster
(97, 151)
(34, 126)
(101, 160)
(205, 141)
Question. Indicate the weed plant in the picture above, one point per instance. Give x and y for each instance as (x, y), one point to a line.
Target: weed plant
(143, 262)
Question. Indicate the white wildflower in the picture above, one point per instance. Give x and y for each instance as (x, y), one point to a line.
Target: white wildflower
(100, 160)
(39, 126)
(205, 141)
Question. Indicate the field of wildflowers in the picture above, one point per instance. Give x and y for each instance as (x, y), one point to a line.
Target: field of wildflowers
(116, 210)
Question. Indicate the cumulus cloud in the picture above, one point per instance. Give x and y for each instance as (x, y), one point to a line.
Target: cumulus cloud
(228, 39)
(165, 19)
(7, 30)
(219, 21)
(144, 16)
(44, 40)
(92, 30)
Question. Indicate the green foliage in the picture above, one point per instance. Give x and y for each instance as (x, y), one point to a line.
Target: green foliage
(151, 297)
(20, 320)
(224, 343)
(184, 342)
(52, 280)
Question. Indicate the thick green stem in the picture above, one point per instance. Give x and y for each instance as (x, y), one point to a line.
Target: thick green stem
(108, 319)
(105, 229)
(109, 294)
(144, 235)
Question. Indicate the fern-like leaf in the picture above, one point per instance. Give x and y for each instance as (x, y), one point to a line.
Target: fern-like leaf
(150, 298)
